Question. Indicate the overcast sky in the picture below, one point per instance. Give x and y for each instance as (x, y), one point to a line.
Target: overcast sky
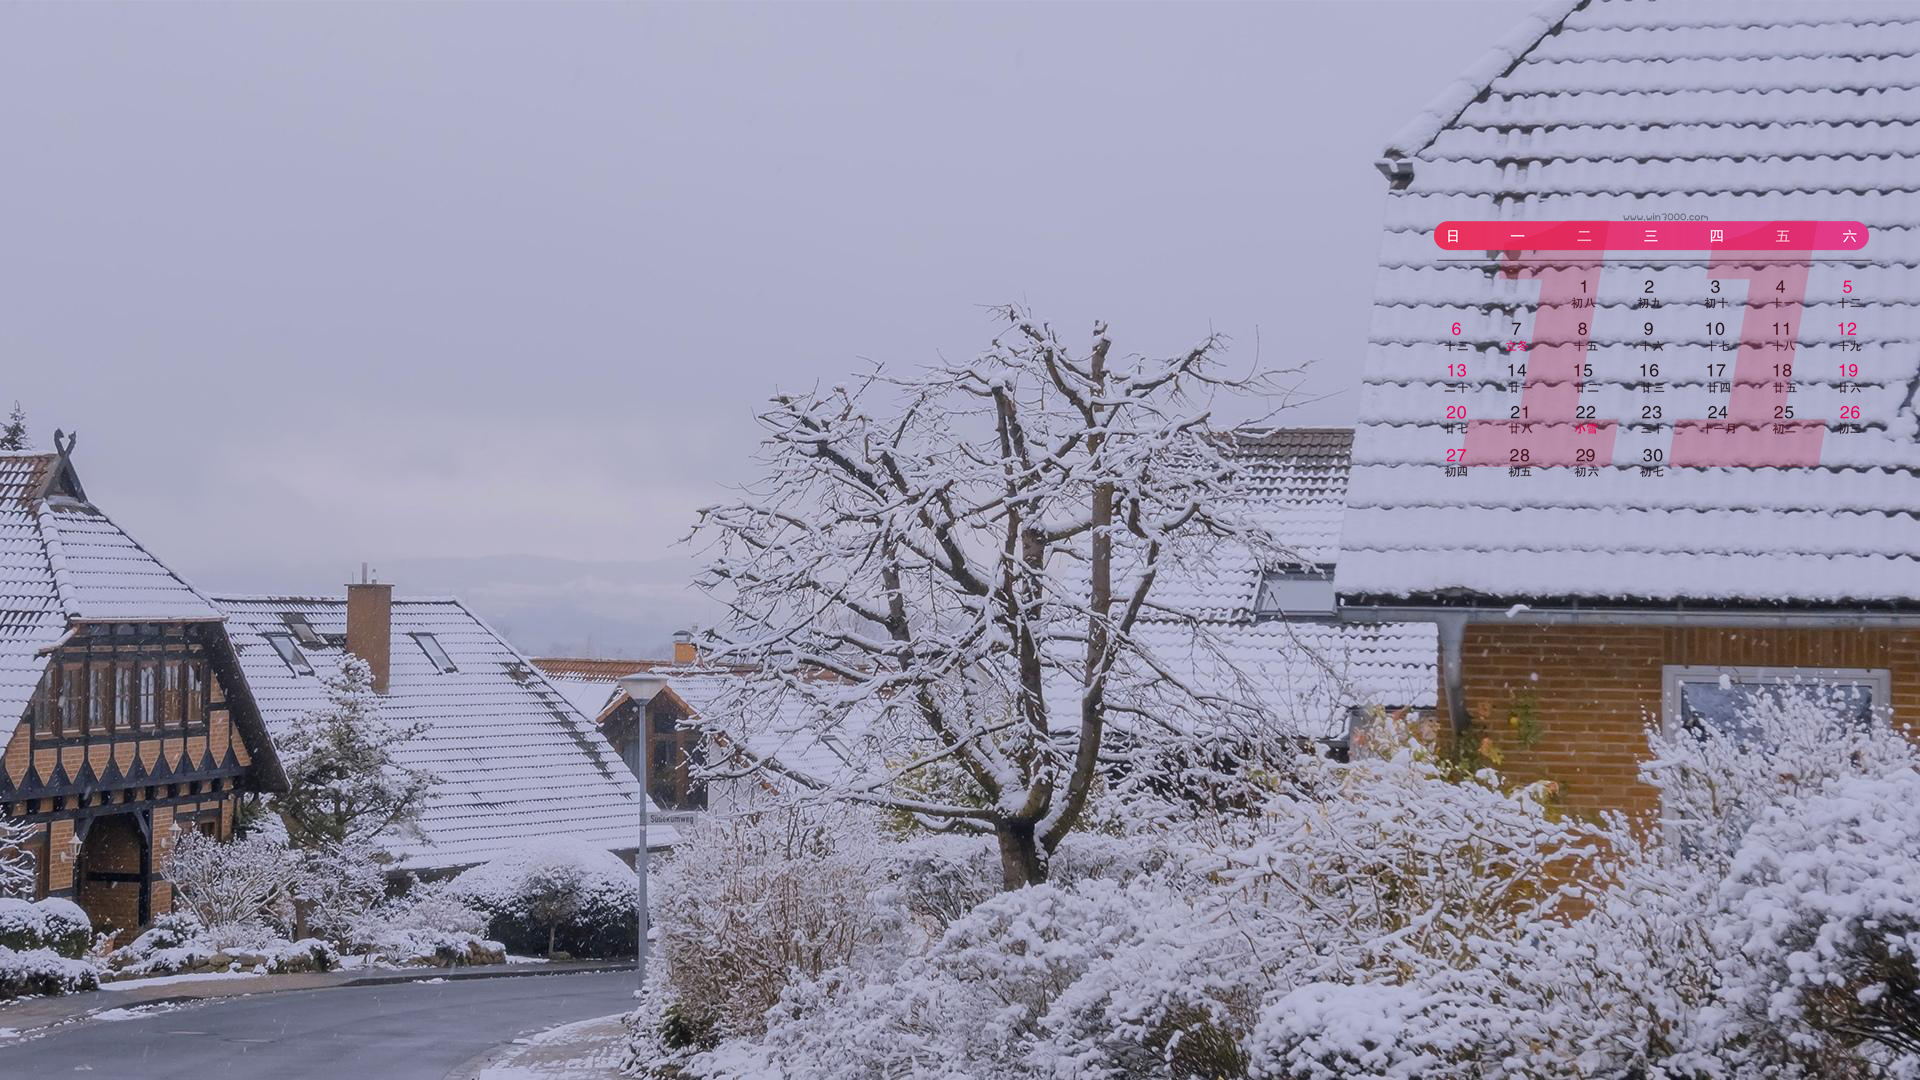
(486, 294)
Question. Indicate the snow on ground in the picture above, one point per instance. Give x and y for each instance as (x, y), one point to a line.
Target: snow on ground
(163, 980)
(588, 1050)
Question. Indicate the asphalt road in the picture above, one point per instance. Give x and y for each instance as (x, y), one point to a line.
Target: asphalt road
(405, 1031)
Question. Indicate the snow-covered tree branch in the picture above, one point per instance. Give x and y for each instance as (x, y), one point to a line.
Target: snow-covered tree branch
(958, 558)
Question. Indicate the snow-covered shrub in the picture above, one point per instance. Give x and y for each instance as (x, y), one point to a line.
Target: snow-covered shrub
(54, 924)
(750, 900)
(18, 871)
(428, 925)
(1714, 784)
(335, 886)
(556, 894)
(232, 883)
(43, 971)
(1821, 927)
(1344, 1031)
(179, 943)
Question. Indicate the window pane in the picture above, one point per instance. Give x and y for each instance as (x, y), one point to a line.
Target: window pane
(99, 706)
(170, 705)
(437, 655)
(122, 697)
(72, 695)
(297, 660)
(194, 692)
(1725, 704)
(148, 693)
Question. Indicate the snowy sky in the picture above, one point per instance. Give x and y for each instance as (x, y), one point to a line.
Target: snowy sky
(486, 295)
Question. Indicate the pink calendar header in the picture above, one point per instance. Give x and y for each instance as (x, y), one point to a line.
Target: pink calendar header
(1781, 236)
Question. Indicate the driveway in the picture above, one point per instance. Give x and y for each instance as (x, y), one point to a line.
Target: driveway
(404, 1031)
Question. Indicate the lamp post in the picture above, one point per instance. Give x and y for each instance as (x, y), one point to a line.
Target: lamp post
(641, 689)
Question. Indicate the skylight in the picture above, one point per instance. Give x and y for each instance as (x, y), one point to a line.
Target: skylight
(431, 646)
(303, 631)
(290, 652)
(1302, 590)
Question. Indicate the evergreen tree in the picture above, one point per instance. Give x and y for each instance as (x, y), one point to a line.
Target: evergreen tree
(14, 435)
(345, 782)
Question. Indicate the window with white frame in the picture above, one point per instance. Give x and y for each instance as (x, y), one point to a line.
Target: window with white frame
(1296, 590)
(1720, 697)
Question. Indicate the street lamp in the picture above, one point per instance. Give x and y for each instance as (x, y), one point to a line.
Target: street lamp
(641, 689)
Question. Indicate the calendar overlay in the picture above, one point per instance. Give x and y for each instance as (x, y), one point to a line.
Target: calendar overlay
(1765, 264)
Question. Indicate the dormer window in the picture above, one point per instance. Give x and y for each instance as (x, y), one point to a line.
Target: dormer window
(303, 631)
(290, 652)
(1296, 590)
(431, 646)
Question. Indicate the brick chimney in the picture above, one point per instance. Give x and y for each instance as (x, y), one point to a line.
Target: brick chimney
(683, 648)
(370, 626)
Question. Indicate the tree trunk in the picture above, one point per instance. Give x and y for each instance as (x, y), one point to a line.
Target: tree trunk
(552, 929)
(1021, 864)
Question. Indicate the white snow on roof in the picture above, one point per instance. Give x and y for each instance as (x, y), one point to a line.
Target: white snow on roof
(517, 759)
(62, 560)
(1601, 109)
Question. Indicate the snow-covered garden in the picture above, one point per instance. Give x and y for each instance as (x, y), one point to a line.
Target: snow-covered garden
(1072, 837)
(1389, 917)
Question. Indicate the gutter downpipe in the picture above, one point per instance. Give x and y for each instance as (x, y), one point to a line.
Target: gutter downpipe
(1453, 626)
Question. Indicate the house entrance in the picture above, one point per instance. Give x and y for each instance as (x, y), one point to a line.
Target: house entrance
(113, 874)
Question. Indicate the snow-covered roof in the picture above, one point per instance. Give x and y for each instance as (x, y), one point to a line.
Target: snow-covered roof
(63, 561)
(785, 730)
(1297, 481)
(1306, 675)
(517, 759)
(1601, 110)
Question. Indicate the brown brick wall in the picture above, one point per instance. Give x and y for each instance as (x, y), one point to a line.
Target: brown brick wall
(1594, 689)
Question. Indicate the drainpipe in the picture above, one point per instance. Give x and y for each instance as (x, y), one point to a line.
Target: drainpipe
(1453, 627)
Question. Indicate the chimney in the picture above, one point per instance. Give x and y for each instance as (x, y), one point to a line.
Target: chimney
(370, 626)
(683, 649)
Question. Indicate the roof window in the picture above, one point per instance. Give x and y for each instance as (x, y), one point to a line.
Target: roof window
(1296, 590)
(431, 646)
(303, 631)
(290, 652)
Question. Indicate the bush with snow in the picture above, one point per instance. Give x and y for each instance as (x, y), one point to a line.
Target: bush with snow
(179, 943)
(556, 895)
(427, 925)
(752, 901)
(1387, 917)
(231, 883)
(44, 948)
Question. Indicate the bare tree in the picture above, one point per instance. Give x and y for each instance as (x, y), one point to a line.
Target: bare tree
(959, 559)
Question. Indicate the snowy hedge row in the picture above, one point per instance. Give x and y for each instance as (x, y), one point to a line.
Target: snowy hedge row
(556, 896)
(43, 948)
(1386, 918)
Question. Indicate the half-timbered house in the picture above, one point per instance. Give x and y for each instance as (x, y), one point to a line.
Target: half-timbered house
(123, 712)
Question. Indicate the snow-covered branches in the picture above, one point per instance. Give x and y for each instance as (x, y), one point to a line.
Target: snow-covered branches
(346, 784)
(17, 870)
(959, 559)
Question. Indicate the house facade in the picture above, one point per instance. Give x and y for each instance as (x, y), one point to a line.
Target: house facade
(125, 713)
(1575, 606)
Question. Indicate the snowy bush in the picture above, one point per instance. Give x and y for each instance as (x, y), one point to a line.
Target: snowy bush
(233, 883)
(178, 943)
(428, 925)
(1388, 917)
(752, 900)
(34, 972)
(1821, 927)
(53, 924)
(556, 895)
(1340, 1031)
(18, 872)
